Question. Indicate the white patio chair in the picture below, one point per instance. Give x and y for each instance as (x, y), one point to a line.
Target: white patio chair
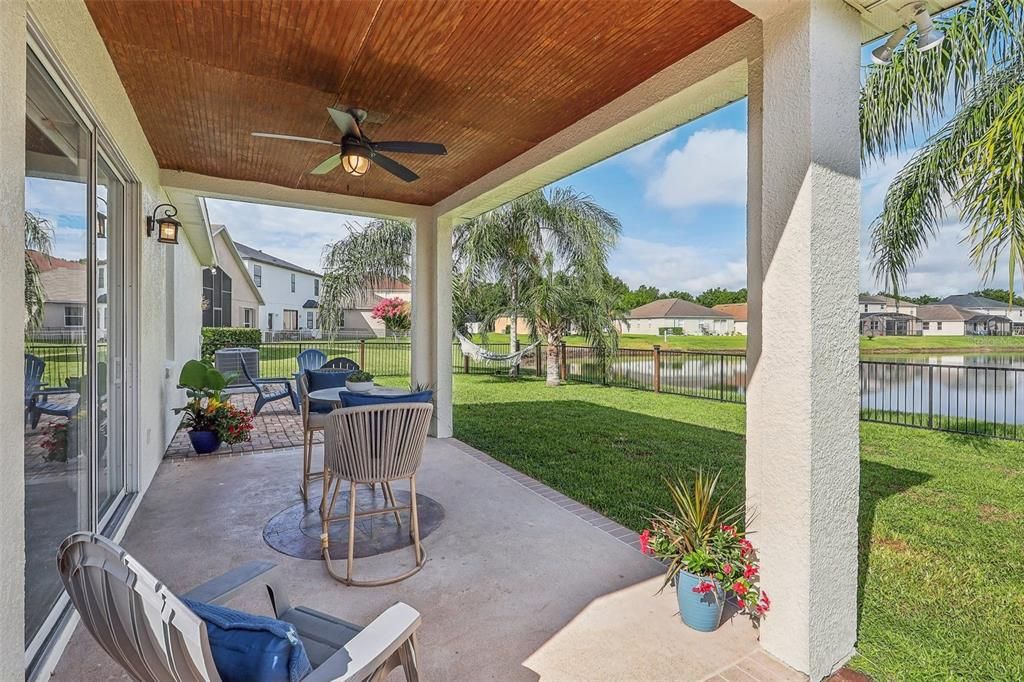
(372, 444)
(152, 634)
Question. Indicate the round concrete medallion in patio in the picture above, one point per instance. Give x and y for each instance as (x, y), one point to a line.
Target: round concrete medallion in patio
(296, 530)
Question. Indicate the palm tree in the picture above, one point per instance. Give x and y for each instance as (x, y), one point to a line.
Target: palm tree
(38, 238)
(509, 243)
(559, 303)
(504, 245)
(974, 163)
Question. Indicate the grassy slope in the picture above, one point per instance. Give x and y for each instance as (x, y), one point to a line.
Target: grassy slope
(942, 516)
(891, 344)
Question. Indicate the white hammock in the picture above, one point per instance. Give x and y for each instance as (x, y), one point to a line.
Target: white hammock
(471, 350)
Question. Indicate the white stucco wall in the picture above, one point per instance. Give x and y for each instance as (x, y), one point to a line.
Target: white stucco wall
(12, 345)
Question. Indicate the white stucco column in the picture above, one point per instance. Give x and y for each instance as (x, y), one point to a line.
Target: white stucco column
(12, 344)
(432, 316)
(802, 425)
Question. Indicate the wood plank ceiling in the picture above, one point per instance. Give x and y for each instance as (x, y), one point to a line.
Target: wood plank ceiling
(488, 78)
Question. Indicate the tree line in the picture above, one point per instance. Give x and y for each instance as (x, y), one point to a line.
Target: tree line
(627, 298)
(1001, 295)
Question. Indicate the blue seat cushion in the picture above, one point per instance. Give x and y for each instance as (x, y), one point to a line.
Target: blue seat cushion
(248, 648)
(359, 400)
(318, 379)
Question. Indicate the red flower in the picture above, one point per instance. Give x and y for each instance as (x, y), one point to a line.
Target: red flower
(745, 547)
(763, 606)
(727, 568)
(739, 588)
(645, 541)
(749, 571)
(729, 529)
(703, 587)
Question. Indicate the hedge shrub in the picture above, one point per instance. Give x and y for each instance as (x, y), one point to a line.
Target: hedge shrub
(215, 338)
(671, 331)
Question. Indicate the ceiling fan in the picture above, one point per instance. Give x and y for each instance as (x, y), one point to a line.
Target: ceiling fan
(357, 150)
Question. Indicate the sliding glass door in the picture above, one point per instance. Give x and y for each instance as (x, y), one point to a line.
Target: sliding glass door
(76, 203)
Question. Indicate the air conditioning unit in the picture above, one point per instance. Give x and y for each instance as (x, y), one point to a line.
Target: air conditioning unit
(228, 361)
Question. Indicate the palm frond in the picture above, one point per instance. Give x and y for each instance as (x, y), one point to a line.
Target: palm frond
(917, 89)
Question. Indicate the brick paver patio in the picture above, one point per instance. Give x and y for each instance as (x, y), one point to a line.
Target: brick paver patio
(276, 426)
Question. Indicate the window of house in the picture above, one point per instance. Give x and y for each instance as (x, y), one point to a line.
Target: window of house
(248, 317)
(257, 274)
(865, 307)
(926, 327)
(291, 320)
(74, 316)
(309, 319)
(100, 272)
(938, 326)
(316, 287)
(293, 282)
(270, 320)
(216, 298)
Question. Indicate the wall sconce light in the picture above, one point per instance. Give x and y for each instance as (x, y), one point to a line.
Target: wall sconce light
(166, 226)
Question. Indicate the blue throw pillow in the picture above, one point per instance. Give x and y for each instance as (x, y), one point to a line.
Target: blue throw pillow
(318, 379)
(359, 400)
(248, 648)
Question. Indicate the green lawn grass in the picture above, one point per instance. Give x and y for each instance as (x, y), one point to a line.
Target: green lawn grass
(941, 520)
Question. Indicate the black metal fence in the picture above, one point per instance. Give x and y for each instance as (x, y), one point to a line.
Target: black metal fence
(986, 401)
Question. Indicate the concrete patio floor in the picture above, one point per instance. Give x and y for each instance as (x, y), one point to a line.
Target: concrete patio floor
(521, 583)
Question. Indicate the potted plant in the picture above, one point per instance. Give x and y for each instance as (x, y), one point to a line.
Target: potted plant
(209, 418)
(359, 382)
(709, 559)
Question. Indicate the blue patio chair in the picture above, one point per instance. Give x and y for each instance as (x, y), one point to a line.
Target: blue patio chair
(311, 358)
(34, 366)
(264, 391)
(341, 362)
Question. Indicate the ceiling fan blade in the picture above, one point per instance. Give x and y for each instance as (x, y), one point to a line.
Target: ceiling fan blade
(327, 165)
(293, 137)
(346, 124)
(410, 148)
(393, 167)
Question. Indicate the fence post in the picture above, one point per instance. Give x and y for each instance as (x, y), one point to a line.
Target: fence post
(931, 377)
(564, 370)
(465, 364)
(537, 353)
(721, 377)
(362, 354)
(657, 368)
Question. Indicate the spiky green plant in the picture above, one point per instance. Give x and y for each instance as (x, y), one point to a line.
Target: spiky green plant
(973, 164)
(696, 515)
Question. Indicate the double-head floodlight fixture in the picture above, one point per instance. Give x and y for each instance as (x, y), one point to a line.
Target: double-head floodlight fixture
(928, 37)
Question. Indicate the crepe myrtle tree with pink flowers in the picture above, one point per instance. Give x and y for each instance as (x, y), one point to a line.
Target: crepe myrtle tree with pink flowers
(701, 538)
(395, 314)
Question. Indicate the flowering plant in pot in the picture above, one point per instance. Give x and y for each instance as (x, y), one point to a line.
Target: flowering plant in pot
(710, 560)
(359, 382)
(210, 419)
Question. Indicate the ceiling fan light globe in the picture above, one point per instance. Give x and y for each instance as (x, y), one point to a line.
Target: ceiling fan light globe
(355, 164)
(881, 55)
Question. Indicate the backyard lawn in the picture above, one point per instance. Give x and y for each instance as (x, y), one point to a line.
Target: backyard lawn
(942, 516)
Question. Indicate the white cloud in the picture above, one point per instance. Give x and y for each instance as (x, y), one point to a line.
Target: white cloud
(670, 267)
(296, 235)
(711, 168)
(646, 155)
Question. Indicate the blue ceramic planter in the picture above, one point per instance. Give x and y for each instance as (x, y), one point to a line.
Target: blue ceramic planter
(702, 612)
(204, 442)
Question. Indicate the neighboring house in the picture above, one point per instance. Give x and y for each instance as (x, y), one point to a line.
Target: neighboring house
(357, 319)
(677, 314)
(64, 305)
(944, 319)
(987, 306)
(886, 316)
(738, 312)
(291, 294)
(230, 297)
(503, 325)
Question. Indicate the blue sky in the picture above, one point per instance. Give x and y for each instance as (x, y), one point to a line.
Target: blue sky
(681, 199)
